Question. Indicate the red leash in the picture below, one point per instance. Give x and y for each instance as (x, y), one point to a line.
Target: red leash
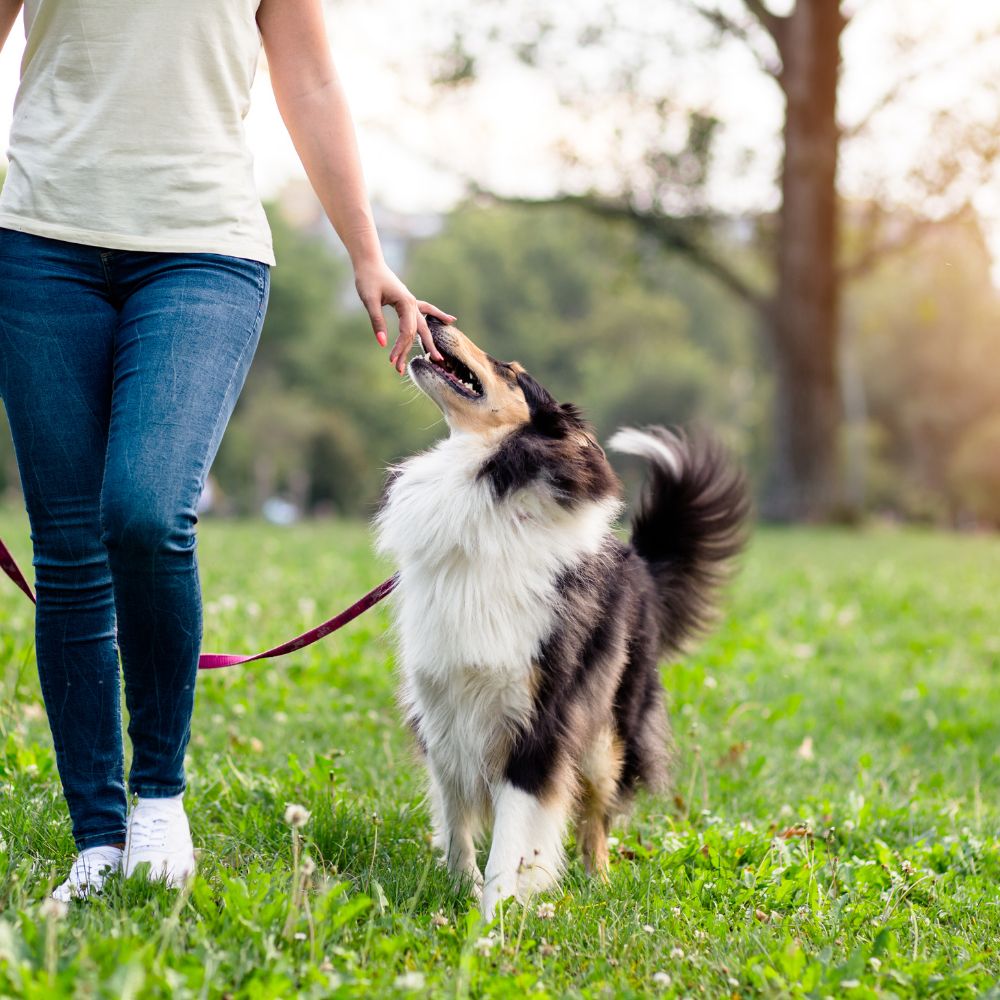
(212, 661)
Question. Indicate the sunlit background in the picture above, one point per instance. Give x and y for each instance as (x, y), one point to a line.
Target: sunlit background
(474, 119)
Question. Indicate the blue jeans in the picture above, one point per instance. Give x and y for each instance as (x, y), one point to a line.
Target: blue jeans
(119, 371)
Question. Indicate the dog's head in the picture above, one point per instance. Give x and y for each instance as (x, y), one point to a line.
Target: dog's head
(537, 437)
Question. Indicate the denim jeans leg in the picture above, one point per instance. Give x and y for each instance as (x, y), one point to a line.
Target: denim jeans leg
(188, 330)
(56, 338)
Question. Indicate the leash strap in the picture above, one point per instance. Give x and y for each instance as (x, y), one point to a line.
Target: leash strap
(213, 661)
(10, 567)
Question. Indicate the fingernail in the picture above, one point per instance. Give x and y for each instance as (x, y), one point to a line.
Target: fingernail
(381, 338)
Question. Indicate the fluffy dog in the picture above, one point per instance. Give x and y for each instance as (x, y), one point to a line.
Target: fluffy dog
(530, 636)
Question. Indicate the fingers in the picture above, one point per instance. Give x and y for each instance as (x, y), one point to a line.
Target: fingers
(425, 335)
(409, 319)
(374, 309)
(428, 307)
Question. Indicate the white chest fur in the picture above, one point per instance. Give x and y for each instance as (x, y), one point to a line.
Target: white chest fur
(478, 587)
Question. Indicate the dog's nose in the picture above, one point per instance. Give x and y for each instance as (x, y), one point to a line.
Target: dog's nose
(432, 321)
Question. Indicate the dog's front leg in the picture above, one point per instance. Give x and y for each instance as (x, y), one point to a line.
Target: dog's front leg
(453, 835)
(527, 851)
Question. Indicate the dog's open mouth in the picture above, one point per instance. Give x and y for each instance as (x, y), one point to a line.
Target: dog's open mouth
(459, 376)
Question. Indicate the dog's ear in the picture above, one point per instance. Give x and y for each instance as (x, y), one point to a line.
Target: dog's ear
(536, 395)
(547, 416)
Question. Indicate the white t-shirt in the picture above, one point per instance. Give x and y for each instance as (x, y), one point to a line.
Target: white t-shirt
(128, 127)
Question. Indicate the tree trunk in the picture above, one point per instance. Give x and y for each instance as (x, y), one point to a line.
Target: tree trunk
(803, 317)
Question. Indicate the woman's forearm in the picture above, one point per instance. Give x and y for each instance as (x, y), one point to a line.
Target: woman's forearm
(322, 130)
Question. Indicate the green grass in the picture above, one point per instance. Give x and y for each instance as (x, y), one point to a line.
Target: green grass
(834, 830)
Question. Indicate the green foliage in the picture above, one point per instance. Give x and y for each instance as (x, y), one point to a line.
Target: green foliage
(835, 829)
(599, 314)
(927, 326)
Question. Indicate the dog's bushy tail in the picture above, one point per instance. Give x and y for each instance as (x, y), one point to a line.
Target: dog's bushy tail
(690, 523)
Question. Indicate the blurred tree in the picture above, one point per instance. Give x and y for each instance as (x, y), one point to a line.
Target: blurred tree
(582, 303)
(661, 188)
(322, 413)
(926, 326)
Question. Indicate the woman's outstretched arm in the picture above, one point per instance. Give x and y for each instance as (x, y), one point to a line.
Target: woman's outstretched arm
(9, 9)
(315, 112)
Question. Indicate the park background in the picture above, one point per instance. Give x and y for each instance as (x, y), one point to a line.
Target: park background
(667, 216)
(781, 220)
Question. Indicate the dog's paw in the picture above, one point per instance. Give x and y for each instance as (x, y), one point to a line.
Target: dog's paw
(494, 893)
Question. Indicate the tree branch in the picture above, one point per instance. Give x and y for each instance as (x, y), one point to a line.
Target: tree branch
(723, 22)
(914, 232)
(772, 23)
(917, 73)
(670, 233)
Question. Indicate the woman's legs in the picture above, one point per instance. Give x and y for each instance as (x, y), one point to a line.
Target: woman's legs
(119, 372)
(188, 329)
(57, 331)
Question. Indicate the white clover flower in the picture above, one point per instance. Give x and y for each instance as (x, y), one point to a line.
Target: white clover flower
(677, 953)
(648, 928)
(300, 936)
(875, 963)
(410, 981)
(308, 866)
(296, 816)
(662, 978)
(53, 909)
(439, 919)
(484, 945)
(546, 911)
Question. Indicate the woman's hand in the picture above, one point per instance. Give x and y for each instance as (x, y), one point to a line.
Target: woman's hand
(377, 287)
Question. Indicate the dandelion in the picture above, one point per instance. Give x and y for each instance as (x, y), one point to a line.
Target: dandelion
(906, 867)
(484, 945)
(296, 816)
(410, 981)
(663, 979)
(439, 919)
(53, 909)
(733, 982)
(308, 866)
(546, 911)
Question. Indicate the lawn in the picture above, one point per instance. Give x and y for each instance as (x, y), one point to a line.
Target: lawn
(835, 827)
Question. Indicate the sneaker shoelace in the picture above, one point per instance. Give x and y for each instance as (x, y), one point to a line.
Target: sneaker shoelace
(148, 831)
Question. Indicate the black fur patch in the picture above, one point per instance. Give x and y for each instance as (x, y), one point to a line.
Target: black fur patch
(688, 527)
(598, 666)
(556, 448)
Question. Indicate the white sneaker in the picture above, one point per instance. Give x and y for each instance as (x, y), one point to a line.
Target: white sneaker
(88, 873)
(158, 833)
